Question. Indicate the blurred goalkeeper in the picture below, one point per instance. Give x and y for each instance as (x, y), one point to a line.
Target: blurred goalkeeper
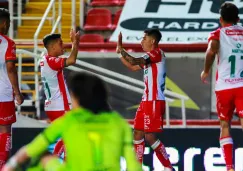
(95, 137)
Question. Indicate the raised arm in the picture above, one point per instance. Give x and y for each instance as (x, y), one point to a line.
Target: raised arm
(75, 37)
(128, 60)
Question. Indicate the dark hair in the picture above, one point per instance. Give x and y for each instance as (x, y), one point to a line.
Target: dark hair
(4, 14)
(229, 12)
(155, 33)
(50, 38)
(90, 91)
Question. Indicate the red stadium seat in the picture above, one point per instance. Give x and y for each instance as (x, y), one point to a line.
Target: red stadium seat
(105, 3)
(91, 38)
(98, 19)
(116, 19)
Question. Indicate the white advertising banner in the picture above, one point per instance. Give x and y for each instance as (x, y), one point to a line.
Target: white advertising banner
(180, 21)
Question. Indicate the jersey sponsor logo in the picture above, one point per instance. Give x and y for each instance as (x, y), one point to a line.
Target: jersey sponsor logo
(233, 80)
(241, 112)
(234, 32)
(57, 60)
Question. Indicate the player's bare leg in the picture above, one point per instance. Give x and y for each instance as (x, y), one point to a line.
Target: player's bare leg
(139, 144)
(159, 149)
(226, 143)
(5, 143)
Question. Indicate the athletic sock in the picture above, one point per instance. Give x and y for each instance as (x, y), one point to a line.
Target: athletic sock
(5, 147)
(160, 151)
(139, 146)
(226, 144)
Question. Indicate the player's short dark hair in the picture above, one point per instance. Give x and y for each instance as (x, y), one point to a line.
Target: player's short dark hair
(229, 12)
(90, 91)
(155, 33)
(4, 14)
(50, 38)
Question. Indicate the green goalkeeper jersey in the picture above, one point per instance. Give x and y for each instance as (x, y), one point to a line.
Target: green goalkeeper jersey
(92, 142)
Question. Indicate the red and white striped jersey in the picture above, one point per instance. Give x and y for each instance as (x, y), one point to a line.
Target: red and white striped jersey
(154, 75)
(230, 57)
(56, 91)
(8, 53)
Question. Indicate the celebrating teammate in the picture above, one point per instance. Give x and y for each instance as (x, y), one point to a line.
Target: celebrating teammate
(57, 96)
(9, 88)
(226, 43)
(149, 116)
(95, 137)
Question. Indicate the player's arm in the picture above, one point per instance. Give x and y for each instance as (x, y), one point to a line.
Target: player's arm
(132, 63)
(39, 145)
(212, 50)
(12, 71)
(75, 37)
(128, 60)
(13, 77)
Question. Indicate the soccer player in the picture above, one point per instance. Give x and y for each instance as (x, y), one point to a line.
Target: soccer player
(9, 89)
(57, 96)
(149, 116)
(226, 43)
(95, 137)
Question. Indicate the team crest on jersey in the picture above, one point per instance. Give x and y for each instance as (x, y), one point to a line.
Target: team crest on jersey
(57, 60)
(41, 63)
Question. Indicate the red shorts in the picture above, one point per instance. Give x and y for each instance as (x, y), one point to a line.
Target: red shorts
(7, 113)
(149, 116)
(229, 100)
(52, 115)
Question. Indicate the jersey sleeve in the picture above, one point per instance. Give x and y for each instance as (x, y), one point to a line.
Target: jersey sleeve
(154, 56)
(56, 63)
(11, 51)
(214, 35)
(40, 144)
(128, 152)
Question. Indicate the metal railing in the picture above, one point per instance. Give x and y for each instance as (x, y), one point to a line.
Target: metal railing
(135, 89)
(117, 79)
(20, 53)
(19, 16)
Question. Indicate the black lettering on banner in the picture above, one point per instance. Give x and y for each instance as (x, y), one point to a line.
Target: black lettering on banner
(195, 6)
(153, 5)
(171, 24)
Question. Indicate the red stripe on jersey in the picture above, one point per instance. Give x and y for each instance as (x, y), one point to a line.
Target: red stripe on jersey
(155, 82)
(61, 84)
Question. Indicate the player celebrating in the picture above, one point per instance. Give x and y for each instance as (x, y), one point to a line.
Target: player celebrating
(57, 96)
(9, 88)
(226, 43)
(95, 137)
(149, 116)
